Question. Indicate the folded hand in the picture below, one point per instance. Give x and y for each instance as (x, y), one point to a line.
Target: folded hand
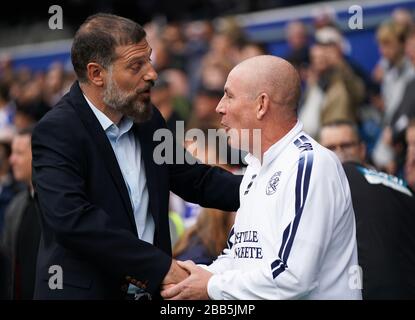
(194, 287)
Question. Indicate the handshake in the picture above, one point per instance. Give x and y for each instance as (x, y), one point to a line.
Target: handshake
(185, 281)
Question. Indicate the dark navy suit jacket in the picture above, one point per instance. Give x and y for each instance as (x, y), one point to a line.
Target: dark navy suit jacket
(88, 226)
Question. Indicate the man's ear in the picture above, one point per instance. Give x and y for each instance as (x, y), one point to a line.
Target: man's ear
(96, 74)
(262, 106)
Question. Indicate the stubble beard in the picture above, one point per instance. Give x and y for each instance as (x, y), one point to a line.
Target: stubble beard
(128, 104)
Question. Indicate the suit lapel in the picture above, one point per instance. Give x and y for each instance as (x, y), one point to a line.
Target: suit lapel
(104, 146)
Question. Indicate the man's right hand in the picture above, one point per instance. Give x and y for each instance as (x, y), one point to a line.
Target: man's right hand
(175, 275)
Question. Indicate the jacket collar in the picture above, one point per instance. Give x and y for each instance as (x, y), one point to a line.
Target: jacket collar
(274, 151)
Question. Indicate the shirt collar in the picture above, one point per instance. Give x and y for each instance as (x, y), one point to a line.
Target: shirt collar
(124, 126)
(276, 148)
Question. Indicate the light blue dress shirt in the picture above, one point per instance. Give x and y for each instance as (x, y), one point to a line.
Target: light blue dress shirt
(127, 149)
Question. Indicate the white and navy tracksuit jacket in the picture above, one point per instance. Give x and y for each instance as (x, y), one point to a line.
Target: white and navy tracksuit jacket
(294, 235)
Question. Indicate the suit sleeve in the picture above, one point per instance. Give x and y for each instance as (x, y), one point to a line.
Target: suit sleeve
(301, 242)
(59, 167)
(208, 186)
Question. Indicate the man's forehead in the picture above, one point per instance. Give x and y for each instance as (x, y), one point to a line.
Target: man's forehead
(337, 133)
(410, 133)
(234, 78)
(239, 70)
(22, 139)
(130, 51)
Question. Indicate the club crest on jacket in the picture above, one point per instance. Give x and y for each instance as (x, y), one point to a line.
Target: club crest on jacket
(273, 183)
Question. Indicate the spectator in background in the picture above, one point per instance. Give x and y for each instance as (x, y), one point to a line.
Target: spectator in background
(7, 112)
(251, 49)
(342, 137)
(323, 16)
(233, 31)
(160, 55)
(354, 77)
(22, 222)
(199, 35)
(223, 51)
(398, 69)
(218, 154)
(313, 96)
(179, 88)
(398, 72)
(8, 185)
(68, 79)
(28, 87)
(385, 222)
(204, 241)
(176, 226)
(29, 113)
(213, 75)
(174, 42)
(370, 118)
(340, 50)
(6, 69)
(162, 98)
(298, 42)
(410, 155)
(206, 229)
(403, 17)
(333, 91)
(54, 84)
(203, 113)
(405, 109)
(222, 55)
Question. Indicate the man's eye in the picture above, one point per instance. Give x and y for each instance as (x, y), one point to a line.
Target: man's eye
(136, 67)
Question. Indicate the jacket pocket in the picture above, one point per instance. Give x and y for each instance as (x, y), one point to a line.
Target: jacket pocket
(71, 279)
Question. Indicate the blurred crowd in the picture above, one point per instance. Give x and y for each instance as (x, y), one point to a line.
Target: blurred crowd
(193, 60)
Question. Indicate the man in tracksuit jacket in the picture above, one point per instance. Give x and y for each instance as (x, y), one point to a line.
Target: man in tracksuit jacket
(294, 235)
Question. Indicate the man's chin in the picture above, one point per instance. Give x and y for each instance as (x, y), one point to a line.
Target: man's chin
(139, 112)
(145, 113)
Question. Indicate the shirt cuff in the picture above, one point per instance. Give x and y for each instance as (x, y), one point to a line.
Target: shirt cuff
(213, 287)
(204, 267)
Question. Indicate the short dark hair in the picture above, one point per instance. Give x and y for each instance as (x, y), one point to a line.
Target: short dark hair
(411, 123)
(6, 148)
(97, 39)
(33, 110)
(340, 123)
(26, 131)
(4, 90)
(390, 29)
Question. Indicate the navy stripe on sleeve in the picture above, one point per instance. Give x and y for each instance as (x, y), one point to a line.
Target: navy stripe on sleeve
(301, 191)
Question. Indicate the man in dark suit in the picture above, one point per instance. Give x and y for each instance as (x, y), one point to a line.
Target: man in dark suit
(384, 207)
(103, 198)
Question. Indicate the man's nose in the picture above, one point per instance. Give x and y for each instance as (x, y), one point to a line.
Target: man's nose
(219, 107)
(151, 74)
(340, 153)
